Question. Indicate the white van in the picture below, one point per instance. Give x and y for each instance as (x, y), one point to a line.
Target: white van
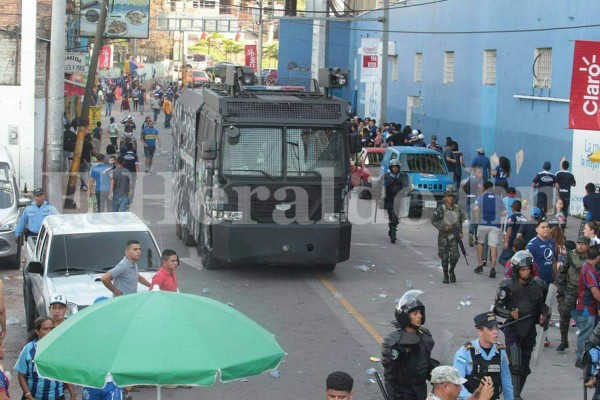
(199, 61)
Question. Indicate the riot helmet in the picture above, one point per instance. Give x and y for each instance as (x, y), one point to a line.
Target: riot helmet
(521, 259)
(408, 303)
(394, 163)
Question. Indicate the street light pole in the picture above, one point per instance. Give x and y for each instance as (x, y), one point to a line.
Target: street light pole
(384, 61)
(85, 108)
(260, 37)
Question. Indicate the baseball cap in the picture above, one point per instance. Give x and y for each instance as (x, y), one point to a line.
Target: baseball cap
(536, 212)
(487, 320)
(547, 165)
(481, 150)
(58, 298)
(38, 191)
(446, 374)
(584, 240)
(421, 136)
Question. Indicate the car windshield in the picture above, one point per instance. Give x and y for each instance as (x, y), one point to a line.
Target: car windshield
(7, 194)
(98, 252)
(199, 57)
(259, 151)
(201, 74)
(423, 163)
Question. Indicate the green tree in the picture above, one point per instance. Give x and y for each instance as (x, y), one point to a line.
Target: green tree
(271, 51)
(214, 39)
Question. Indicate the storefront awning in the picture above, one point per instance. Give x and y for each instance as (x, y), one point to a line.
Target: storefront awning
(73, 88)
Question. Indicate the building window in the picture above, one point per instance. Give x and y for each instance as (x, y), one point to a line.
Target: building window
(418, 67)
(542, 68)
(489, 67)
(449, 67)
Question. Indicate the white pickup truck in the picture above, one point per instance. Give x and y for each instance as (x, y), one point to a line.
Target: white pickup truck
(72, 252)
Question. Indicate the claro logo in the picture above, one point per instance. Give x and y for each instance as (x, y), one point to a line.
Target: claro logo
(370, 49)
(590, 105)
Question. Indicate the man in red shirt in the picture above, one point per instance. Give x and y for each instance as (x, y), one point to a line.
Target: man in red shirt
(588, 295)
(166, 277)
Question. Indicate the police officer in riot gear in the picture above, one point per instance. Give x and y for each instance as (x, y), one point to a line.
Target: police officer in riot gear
(521, 300)
(406, 352)
(448, 220)
(394, 182)
(484, 357)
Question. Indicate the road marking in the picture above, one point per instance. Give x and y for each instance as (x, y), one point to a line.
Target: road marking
(351, 310)
(366, 244)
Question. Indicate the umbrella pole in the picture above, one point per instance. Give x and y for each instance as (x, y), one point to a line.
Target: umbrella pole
(158, 392)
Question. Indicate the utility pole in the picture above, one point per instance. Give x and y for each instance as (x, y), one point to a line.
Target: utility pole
(384, 61)
(56, 104)
(85, 108)
(260, 36)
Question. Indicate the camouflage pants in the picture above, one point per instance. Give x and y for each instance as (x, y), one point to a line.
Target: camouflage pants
(565, 308)
(448, 249)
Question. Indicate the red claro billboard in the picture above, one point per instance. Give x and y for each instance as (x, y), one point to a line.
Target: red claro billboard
(584, 107)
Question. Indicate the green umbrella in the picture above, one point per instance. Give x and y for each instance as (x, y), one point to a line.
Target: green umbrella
(157, 338)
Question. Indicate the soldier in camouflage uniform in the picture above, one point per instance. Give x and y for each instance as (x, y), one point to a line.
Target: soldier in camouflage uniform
(567, 282)
(448, 220)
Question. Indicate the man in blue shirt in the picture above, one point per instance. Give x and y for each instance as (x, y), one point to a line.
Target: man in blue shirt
(545, 182)
(149, 138)
(109, 392)
(34, 214)
(491, 209)
(591, 202)
(481, 161)
(543, 249)
(513, 221)
(101, 175)
(484, 357)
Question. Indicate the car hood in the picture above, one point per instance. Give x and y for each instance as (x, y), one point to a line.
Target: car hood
(84, 289)
(6, 214)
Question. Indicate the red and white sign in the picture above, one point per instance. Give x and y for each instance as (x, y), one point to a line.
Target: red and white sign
(370, 66)
(251, 56)
(105, 59)
(584, 108)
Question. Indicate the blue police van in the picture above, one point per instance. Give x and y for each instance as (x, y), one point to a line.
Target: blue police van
(428, 175)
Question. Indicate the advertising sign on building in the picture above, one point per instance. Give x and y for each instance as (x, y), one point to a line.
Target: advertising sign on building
(584, 107)
(95, 113)
(105, 60)
(584, 143)
(251, 56)
(370, 63)
(75, 63)
(126, 19)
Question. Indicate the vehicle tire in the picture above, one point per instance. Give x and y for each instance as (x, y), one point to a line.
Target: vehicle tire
(415, 213)
(187, 237)
(326, 267)
(30, 310)
(364, 193)
(178, 230)
(208, 261)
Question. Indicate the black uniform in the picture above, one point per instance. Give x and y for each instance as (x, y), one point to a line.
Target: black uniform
(407, 363)
(545, 181)
(520, 337)
(565, 180)
(393, 185)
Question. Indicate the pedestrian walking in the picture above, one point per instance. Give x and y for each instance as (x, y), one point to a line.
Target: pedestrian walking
(155, 105)
(544, 184)
(168, 110)
(565, 181)
(125, 276)
(135, 98)
(150, 137)
(125, 106)
(338, 386)
(448, 219)
(166, 277)
(132, 164)
(447, 383)
(484, 357)
(501, 174)
(448, 156)
(513, 222)
(34, 214)
(120, 186)
(567, 282)
(588, 298)
(458, 167)
(85, 162)
(128, 131)
(521, 301)
(141, 100)
(113, 132)
(100, 178)
(34, 386)
(110, 101)
(490, 209)
(69, 140)
(58, 308)
(97, 137)
(481, 161)
(394, 182)
(591, 202)
(473, 187)
(406, 352)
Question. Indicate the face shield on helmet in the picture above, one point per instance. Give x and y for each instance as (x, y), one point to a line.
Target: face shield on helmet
(521, 259)
(408, 303)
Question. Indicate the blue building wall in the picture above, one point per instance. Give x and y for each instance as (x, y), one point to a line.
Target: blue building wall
(474, 114)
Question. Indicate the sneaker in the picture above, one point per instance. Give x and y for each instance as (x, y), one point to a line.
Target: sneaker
(471, 240)
(479, 270)
(562, 346)
(493, 273)
(579, 364)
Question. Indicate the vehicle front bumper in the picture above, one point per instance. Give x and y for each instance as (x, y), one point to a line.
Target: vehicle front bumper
(423, 199)
(266, 243)
(8, 244)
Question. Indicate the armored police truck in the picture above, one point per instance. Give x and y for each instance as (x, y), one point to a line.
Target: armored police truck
(261, 173)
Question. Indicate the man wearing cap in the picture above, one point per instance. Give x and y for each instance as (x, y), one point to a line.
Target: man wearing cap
(545, 182)
(567, 282)
(448, 219)
(58, 308)
(481, 161)
(447, 383)
(34, 214)
(484, 357)
(434, 145)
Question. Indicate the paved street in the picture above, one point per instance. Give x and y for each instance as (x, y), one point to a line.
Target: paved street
(322, 332)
